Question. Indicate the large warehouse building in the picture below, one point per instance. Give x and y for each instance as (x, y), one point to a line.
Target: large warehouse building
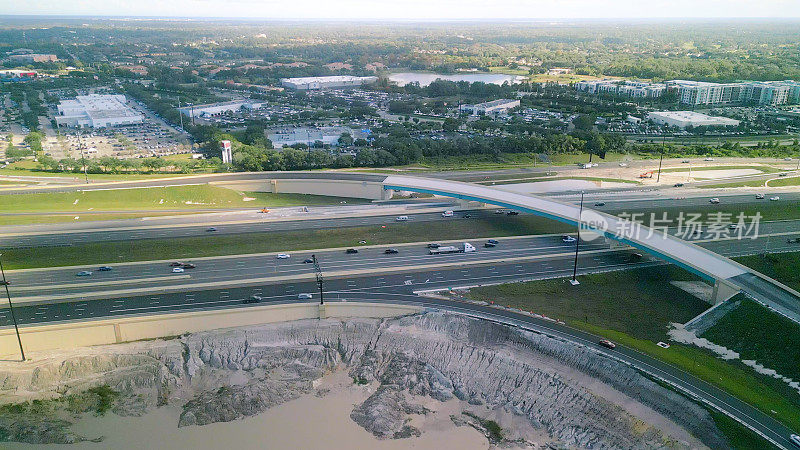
(493, 107)
(311, 83)
(215, 109)
(96, 111)
(683, 119)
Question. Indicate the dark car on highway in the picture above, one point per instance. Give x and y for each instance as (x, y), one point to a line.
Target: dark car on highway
(793, 241)
(105, 269)
(391, 251)
(188, 266)
(176, 264)
(432, 245)
(308, 261)
(608, 344)
(512, 213)
(351, 251)
(600, 204)
(253, 299)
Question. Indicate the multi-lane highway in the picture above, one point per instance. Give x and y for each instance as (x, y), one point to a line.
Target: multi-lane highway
(401, 287)
(322, 217)
(62, 283)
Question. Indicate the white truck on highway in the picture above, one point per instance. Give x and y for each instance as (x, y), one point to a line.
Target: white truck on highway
(466, 247)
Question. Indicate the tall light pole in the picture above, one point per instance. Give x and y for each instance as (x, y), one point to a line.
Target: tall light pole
(320, 280)
(83, 159)
(661, 159)
(11, 308)
(574, 281)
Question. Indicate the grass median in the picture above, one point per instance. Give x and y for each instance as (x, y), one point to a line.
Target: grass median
(222, 244)
(201, 196)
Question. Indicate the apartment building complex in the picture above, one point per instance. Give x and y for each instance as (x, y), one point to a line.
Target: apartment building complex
(636, 89)
(696, 93)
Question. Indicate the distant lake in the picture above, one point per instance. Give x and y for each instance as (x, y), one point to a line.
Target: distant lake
(424, 78)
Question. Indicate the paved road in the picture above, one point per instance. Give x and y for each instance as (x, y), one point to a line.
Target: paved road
(253, 222)
(400, 288)
(58, 284)
(232, 223)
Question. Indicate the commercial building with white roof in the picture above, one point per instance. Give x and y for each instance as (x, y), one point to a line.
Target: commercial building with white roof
(96, 111)
(339, 81)
(493, 107)
(683, 119)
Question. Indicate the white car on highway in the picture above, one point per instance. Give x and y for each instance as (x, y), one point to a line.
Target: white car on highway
(774, 199)
(305, 296)
(283, 256)
(177, 270)
(713, 201)
(401, 219)
(567, 239)
(447, 214)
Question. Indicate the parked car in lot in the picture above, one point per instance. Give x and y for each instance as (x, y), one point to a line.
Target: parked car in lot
(567, 239)
(283, 256)
(351, 251)
(608, 344)
(105, 269)
(83, 273)
(305, 296)
(253, 299)
(177, 270)
(391, 251)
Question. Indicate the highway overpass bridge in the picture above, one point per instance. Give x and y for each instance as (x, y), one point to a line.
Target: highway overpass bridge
(728, 276)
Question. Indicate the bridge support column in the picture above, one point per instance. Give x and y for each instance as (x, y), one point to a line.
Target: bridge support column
(723, 291)
(323, 314)
(273, 184)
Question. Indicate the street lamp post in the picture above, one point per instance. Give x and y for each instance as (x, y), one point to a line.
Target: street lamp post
(574, 281)
(661, 159)
(11, 308)
(320, 280)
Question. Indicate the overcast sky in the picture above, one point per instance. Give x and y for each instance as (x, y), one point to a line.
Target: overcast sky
(409, 9)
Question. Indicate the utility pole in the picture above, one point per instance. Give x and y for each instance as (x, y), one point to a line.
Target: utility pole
(574, 281)
(11, 309)
(180, 114)
(83, 159)
(320, 280)
(660, 160)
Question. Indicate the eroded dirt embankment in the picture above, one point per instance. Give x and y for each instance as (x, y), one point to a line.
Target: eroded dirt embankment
(571, 394)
